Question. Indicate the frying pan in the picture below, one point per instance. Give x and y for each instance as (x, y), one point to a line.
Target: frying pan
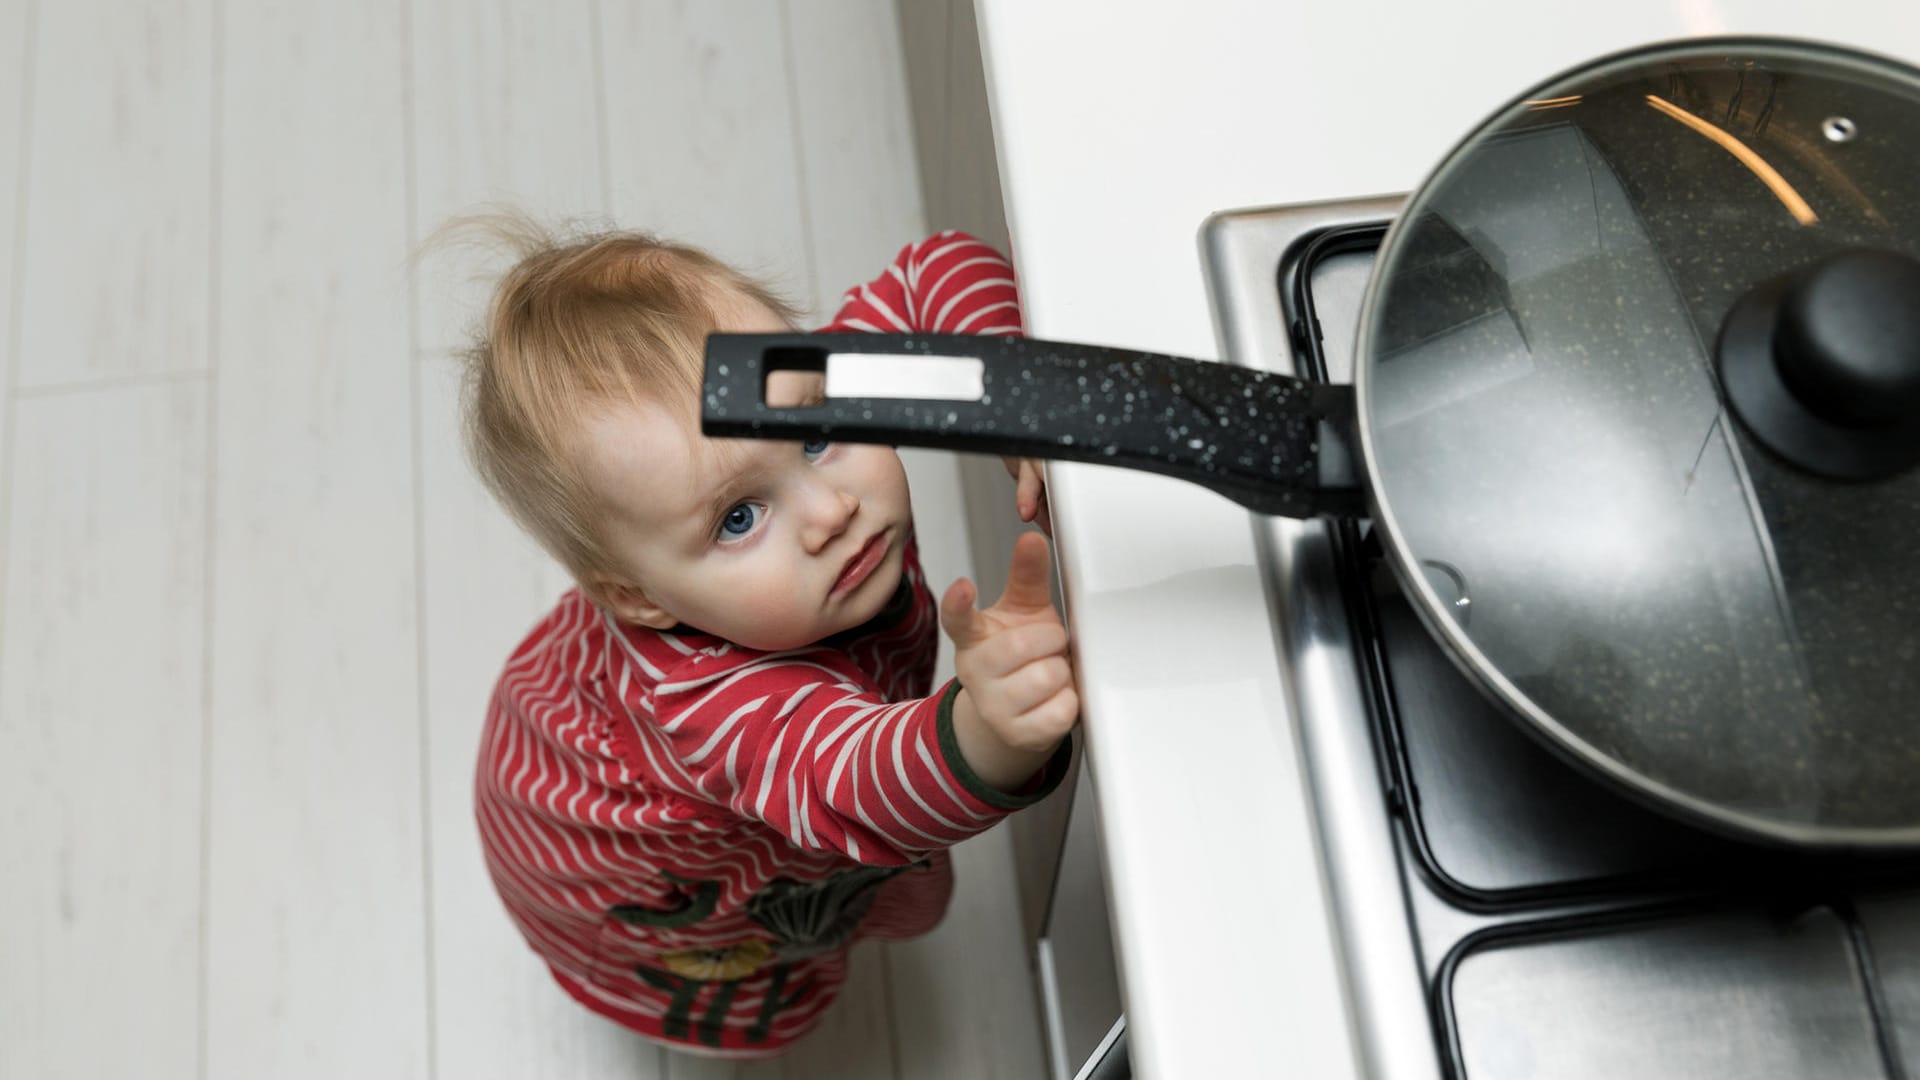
(1639, 364)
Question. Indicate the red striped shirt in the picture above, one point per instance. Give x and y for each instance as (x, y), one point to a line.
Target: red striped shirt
(691, 833)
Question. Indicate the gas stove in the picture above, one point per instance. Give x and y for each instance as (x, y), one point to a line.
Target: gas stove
(1499, 913)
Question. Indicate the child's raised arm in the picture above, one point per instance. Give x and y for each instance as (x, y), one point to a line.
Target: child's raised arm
(950, 283)
(1017, 699)
(804, 743)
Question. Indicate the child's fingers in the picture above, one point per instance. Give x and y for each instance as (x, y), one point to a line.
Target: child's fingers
(1044, 724)
(1026, 492)
(957, 615)
(1027, 578)
(1037, 682)
(1015, 647)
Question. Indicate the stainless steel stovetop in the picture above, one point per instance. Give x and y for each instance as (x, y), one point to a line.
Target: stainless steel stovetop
(1499, 913)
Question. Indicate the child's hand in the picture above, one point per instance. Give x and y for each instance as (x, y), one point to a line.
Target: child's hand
(1017, 699)
(1029, 492)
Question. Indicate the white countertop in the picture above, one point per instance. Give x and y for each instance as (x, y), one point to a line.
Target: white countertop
(1120, 125)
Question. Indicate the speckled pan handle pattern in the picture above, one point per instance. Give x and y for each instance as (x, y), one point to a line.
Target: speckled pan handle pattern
(1272, 443)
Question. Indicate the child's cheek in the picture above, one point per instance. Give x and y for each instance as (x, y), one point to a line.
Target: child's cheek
(766, 603)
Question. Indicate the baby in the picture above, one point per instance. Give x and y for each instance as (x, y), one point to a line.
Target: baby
(717, 762)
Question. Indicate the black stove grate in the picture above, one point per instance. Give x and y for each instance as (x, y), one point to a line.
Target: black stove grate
(1497, 825)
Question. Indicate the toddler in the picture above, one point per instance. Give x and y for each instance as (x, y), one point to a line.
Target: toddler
(717, 762)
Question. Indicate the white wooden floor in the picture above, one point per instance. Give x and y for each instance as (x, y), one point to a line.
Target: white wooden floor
(252, 598)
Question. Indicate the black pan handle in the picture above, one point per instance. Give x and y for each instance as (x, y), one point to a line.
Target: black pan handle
(1272, 443)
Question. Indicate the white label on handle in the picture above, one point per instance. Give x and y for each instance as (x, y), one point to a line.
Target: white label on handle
(915, 375)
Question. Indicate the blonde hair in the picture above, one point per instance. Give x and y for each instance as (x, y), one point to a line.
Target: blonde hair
(580, 322)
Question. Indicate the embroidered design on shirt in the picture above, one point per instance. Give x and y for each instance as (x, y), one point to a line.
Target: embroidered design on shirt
(806, 918)
(813, 917)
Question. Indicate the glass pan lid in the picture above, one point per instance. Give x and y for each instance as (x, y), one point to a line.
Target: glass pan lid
(1659, 595)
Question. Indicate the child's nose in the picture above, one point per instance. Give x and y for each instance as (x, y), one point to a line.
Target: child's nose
(831, 511)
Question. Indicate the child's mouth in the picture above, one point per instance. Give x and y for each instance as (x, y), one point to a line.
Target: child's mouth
(863, 563)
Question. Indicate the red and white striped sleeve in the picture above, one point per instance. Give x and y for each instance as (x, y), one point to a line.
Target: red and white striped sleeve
(951, 283)
(799, 741)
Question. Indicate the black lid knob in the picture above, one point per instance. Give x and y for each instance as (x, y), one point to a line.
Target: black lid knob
(1848, 339)
(1822, 366)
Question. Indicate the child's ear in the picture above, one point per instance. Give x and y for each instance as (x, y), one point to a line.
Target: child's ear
(631, 602)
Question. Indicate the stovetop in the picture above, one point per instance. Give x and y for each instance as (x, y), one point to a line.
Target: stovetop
(1499, 912)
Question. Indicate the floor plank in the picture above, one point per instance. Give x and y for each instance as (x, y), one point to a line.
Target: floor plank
(120, 170)
(16, 70)
(964, 1003)
(17, 61)
(101, 705)
(506, 113)
(699, 145)
(924, 28)
(970, 198)
(505, 110)
(318, 937)
(854, 1040)
(694, 1067)
(854, 126)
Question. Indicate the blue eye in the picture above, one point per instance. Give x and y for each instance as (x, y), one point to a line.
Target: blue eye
(813, 448)
(740, 520)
